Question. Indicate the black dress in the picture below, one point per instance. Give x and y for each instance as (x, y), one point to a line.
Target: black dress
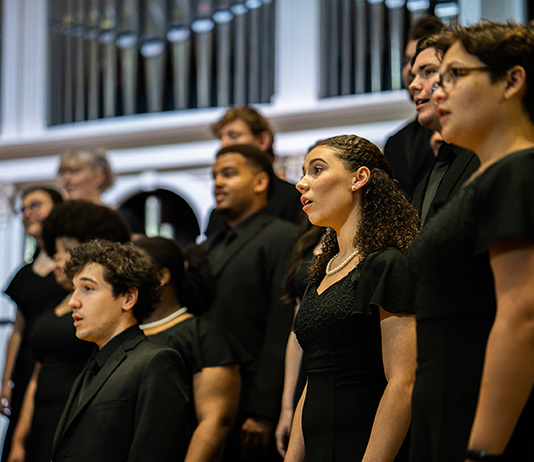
(340, 332)
(31, 293)
(455, 307)
(201, 344)
(62, 356)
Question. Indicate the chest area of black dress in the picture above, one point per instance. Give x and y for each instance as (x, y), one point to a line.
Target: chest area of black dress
(53, 338)
(451, 277)
(330, 323)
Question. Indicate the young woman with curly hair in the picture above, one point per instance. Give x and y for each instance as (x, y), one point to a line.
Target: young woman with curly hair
(355, 321)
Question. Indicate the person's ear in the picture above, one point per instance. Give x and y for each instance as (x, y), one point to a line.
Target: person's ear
(515, 78)
(99, 178)
(265, 140)
(165, 276)
(361, 178)
(261, 182)
(130, 298)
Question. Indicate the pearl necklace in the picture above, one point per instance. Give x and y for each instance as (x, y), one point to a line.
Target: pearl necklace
(163, 320)
(340, 267)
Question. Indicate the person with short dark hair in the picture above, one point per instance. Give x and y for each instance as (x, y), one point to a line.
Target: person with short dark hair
(409, 151)
(32, 288)
(130, 402)
(245, 125)
(473, 398)
(249, 258)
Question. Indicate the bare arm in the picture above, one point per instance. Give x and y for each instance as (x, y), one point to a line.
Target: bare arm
(11, 358)
(24, 424)
(508, 374)
(393, 415)
(296, 450)
(216, 397)
(292, 368)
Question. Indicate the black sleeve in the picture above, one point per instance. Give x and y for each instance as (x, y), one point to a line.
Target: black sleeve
(505, 201)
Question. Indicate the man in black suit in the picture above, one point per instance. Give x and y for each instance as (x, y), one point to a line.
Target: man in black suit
(245, 125)
(130, 402)
(408, 151)
(453, 165)
(249, 258)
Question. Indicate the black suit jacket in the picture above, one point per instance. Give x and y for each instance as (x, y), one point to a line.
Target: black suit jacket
(409, 153)
(250, 275)
(463, 165)
(134, 410)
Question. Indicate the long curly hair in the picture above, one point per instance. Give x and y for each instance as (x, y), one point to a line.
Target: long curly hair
(387, 218)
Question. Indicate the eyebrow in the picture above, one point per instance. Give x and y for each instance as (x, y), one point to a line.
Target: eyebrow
(320, 159)
(88, 279)
(315, 159)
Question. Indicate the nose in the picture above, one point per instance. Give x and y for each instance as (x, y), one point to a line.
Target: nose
(217, 180)
(414, 85)
(225, 141)
(302, 185)
(64, 178)
(438, 94)
(73, 301)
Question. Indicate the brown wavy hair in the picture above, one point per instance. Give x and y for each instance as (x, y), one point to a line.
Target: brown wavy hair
(387, 218)
(255, 122)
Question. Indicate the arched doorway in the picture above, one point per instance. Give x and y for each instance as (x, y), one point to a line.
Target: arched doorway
(161, 212)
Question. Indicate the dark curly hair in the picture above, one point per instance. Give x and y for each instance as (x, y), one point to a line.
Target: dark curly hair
(193, 282)
(83, 221)
(387, 218)
(125, 266)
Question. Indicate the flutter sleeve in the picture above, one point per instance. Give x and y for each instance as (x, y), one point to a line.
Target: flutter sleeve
(505, 201)
(386, 282)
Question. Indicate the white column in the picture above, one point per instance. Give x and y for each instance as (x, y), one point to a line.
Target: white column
(473, 11)
(11, 242)
(297, 52)
(12, 37)
(34, 61)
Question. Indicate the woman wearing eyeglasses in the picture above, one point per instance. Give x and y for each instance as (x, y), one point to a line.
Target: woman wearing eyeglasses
(33, 284)
(474, 262)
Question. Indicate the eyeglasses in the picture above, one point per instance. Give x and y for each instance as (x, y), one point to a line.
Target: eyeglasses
(34, 206)
(447, 80)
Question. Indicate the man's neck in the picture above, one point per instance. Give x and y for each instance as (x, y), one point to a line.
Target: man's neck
(232, 222)
(119, 330)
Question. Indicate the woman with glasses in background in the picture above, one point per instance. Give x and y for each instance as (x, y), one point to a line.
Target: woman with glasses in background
(31, 288)
(474, 262)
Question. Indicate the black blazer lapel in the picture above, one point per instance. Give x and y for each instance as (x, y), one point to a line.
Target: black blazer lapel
(62, 424)
(463, 166)
(107, 369)
(242, 240)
